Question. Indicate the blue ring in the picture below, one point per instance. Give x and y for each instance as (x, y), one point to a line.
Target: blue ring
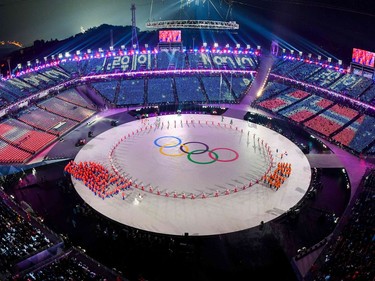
(168, 146)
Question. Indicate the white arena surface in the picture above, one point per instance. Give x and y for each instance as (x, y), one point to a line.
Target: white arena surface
(195, 173)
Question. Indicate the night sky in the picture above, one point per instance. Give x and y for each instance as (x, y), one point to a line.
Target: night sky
(311, 25)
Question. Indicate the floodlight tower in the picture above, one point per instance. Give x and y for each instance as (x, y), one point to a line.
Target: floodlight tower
(134, 28)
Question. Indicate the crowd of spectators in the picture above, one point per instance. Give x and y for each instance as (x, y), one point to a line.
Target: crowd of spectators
(189, 90)
(107, 89)
(160, 90)
(350, 254)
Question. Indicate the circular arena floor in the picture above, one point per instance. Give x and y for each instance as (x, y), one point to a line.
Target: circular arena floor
(195, 174)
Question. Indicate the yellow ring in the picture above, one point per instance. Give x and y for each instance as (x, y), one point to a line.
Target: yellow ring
(173, 155)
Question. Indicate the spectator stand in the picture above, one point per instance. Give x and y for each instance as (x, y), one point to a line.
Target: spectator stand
(10, 154)
(72, 264)
(18, 88)
(200, 61)
(24, 240)
(239, 85)
(368, 95)
(66, 109)
(189, 89)
(132, 92)
(246, 61)
(160, 91)
(55, 74)
(37, 81)
(304, 71)
(115, 64)
(46, 121)
(73, 96)
(170, 60)
(350, 252)
(24, 136)
(286, 66)
(365, 135)
(325, 77)
(107, 89)
(272, 89)
(351, 85)
(223, 61)
(216, 89)
(306, 109)
(95, 65)
(72, 67)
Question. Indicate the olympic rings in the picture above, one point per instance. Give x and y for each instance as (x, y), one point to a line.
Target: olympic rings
(173, 137)
(173, 155)
(223, 148)
(185, 150)
(202, 151)
(202, 163)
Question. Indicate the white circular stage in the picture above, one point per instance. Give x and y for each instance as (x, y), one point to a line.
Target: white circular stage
(195, 174)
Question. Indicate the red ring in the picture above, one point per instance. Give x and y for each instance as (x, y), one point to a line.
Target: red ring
(224, 148)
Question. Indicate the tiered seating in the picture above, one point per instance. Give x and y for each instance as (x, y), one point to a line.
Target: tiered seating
(365, 134)
(10, 154)
(94, 66)
(132, 92)
(246, 61)
(66, 109)
(303, 71)
(6, 98)
(272, 89)
(119, 63)
(284, 99)
(71, 66)
(216, 89)
(71, 95)
(324, 78)
(306, 108)
(346, 136)
(331, 119)
(286, 67)
(72, 265)
(351, 85)
(18, 87)
(37, 80)
(106, 89)
(239, 85)
(189, 90)
(46, 121)
(24, 136)
(160, 90)
(369, 94)
(223, 61)
(171, 60)
(199, 61)
(350, 254)
(57, 75)
(18, 238)
(143, 62)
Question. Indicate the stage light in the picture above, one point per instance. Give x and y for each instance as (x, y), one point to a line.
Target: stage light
(292, 52)
(329, 60)
(60, 56)
(216, 45)
(319, 57)
(340, 62)
(89, 51)
(28, 64)
(259, 47)
(300, 54)
(67, 54)
(135, 46)
(122, 47)
(100, 50)
(238, 46)
(227, 46)
(309, 55)
(146, 46)
(111, 48)
(248, 47)
(204, 44)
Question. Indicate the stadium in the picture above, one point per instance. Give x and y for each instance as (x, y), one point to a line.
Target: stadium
(181, 162)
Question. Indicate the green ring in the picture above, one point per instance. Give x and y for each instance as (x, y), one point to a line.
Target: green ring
(202, 163)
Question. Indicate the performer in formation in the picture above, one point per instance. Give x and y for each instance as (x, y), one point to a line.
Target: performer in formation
(278, 176)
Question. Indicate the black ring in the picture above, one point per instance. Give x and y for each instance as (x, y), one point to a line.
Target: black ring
(201, 150)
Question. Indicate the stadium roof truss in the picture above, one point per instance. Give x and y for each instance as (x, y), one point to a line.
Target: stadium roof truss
(197, 24)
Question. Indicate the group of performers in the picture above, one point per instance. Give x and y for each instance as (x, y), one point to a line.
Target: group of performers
(97, 178)
(278, 176)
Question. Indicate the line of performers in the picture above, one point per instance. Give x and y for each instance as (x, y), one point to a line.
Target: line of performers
(97, 178)
(278, 176)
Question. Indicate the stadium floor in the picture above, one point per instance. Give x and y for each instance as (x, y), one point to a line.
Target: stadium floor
(220, 184)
